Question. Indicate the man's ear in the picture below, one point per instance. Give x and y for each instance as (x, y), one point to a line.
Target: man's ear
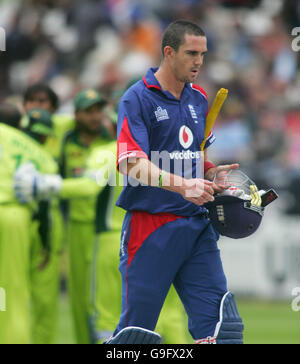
(168, 51)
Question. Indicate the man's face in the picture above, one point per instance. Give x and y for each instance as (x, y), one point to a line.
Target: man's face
(90, 119)
(40, 100)
(186, 62)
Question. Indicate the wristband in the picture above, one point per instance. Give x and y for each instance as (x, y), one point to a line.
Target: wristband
(208, 165)
(160, 180)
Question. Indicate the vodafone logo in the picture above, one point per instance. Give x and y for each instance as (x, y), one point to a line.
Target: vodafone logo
(186, 137)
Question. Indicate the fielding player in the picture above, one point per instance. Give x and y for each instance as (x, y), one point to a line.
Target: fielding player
(166, 236)
(16, 220)
(45, 261)
(86, 217)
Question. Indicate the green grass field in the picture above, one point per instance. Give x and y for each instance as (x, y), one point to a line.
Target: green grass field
(270, 322)
(265, 322)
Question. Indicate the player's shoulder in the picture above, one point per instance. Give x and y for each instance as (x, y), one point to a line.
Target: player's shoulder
(8, 132)
(135, 91)
(15, 138)
(198, 91)
(8, 129)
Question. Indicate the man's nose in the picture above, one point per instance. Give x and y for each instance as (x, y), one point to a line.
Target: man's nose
(199, 61)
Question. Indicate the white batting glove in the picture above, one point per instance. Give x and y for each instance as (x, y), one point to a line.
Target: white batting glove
(30, 185)
(47, 186)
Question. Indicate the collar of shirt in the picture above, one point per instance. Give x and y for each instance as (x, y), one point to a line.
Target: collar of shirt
(151, 82)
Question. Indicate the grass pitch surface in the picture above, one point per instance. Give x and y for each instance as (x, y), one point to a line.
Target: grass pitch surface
(266, 322)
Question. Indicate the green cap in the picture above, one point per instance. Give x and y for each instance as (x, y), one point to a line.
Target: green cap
(88, 98)
(39, 121)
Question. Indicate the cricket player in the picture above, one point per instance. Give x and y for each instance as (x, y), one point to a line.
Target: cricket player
(16, 221)
(166, 235)
(172, 321)
(86, 217)
(45, 263)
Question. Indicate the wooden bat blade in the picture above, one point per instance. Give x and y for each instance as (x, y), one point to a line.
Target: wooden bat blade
(213, 113)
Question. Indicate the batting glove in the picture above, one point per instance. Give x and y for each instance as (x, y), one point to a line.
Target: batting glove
(30, 185)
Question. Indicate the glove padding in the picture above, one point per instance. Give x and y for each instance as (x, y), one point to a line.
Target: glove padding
(30, 185)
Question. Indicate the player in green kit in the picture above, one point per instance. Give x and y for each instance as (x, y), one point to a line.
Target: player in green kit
(16, 148)
(45, 263)
(86, 218)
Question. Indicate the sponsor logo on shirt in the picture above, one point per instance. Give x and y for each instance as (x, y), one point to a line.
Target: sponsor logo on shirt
(185, 154)
(186, 137)
(161, 114)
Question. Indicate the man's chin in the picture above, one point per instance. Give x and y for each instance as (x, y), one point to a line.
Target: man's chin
(194, 77)
(190, 79)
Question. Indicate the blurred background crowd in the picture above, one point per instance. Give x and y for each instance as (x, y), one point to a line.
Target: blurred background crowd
(71, 44)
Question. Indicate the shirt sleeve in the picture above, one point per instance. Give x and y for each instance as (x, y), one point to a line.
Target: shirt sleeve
(133, 131)
(79, 188)
(100, 171)
(210, 140)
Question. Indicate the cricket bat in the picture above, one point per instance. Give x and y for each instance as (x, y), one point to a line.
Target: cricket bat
(213, 113)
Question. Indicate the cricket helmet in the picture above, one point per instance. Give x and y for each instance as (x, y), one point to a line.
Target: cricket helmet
(237, 212)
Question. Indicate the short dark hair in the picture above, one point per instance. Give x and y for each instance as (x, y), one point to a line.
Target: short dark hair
(176, 31)
(10, 115)
(40, 87)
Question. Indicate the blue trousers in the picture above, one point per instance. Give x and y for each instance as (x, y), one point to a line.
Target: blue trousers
(158, 250)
